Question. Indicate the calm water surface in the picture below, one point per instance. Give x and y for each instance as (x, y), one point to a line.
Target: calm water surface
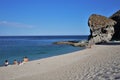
(34, 47)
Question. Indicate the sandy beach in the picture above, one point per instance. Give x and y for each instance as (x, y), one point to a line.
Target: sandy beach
(101, 62)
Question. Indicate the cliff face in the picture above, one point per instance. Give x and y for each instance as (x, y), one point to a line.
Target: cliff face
(116, 17)
(101, 28)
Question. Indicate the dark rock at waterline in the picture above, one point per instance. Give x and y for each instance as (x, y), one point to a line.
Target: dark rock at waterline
(73, 43)
(66, 42)
(116, 17)
(81, 44)
(101, 28)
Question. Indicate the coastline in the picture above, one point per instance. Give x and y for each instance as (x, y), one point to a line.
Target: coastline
(34, 47)
(98, 62)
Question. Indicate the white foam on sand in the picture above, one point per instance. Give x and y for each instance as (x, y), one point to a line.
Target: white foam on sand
(101, 62)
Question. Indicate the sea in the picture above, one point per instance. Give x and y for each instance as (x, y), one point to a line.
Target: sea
(35, 47)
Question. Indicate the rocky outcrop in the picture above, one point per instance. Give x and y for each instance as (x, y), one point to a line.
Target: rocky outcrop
(73, 43)
(66, 42)
(101, 29)
(116, 17)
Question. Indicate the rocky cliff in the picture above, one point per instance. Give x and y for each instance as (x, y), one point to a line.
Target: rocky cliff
(116, 17)
(101, 28)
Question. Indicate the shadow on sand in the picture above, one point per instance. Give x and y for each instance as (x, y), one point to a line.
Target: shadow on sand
(110, 43)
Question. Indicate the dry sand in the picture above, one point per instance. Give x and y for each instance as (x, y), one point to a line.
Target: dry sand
(101, 62)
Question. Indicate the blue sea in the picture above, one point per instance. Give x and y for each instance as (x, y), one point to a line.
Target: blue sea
(35, 47)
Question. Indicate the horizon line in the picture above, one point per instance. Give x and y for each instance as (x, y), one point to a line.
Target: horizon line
(42, 35)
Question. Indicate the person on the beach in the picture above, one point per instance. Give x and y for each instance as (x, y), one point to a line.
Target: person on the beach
(21, 62)
(6, 63)
(15, 62)
(25, 59)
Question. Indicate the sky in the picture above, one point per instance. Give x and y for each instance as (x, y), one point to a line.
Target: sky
(51, 17)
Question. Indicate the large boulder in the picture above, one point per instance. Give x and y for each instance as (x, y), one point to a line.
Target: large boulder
(116, 17)
(101, 29)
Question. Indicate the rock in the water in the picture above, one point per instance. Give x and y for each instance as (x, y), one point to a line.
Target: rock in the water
(116, 17)
(80, 44)
(101, 28)
(66, 42)
(73, 43)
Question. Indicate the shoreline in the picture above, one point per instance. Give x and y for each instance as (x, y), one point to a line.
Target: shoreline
(47, 57)
(96, 63)
(44, 56)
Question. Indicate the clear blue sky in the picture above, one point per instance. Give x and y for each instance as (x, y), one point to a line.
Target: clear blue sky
(51, 17)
